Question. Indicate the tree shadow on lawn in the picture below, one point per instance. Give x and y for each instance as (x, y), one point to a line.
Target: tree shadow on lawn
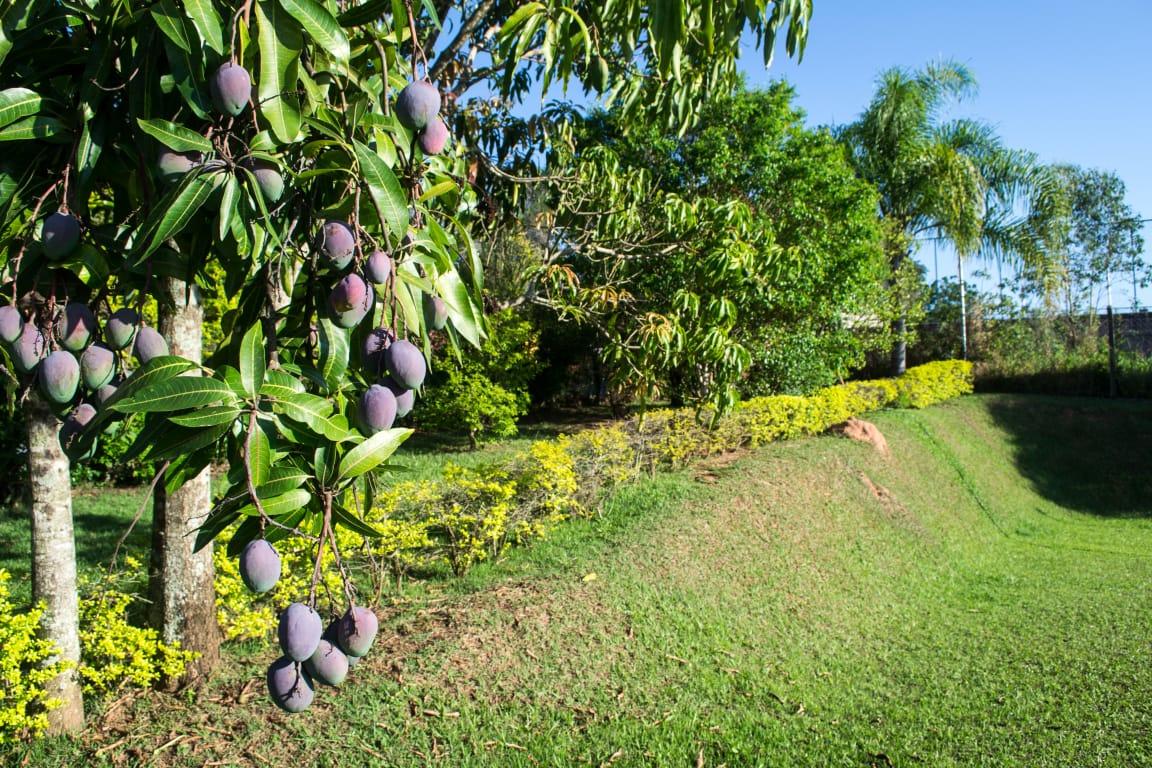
(1089, 455)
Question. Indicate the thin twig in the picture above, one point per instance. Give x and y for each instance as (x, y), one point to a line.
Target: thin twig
(136, 519)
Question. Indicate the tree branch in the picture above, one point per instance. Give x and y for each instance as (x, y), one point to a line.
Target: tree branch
(466, 29)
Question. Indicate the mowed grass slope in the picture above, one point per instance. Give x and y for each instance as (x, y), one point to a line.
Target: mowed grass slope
(980, 597)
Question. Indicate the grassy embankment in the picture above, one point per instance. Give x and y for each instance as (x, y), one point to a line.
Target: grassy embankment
(979, 597)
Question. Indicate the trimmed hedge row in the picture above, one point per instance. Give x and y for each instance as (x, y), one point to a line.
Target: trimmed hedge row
(475, 514)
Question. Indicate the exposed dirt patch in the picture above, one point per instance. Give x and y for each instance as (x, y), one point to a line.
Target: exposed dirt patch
(710, 470)
(865, 432)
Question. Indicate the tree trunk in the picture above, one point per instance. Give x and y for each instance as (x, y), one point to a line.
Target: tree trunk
(900, 324)
(899, 347)
(54, 559)
(181, 582)
(963, 309)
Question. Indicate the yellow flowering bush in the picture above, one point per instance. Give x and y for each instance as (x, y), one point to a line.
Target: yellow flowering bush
(23, 701)
(932, 383)
(114, 652)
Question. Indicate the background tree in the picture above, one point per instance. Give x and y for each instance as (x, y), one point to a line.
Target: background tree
(739, 255)
(934, 176)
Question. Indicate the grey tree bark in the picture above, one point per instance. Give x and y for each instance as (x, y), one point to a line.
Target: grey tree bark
(54, 558)
(181, 586)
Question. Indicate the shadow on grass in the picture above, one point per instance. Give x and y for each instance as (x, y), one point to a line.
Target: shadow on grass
(1086, 455)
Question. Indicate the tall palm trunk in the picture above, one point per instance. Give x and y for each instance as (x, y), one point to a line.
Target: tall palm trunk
(899, 355)
(180, 580)
(54, 558)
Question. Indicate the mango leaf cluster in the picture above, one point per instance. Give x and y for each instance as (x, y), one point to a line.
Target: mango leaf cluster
(123, 121)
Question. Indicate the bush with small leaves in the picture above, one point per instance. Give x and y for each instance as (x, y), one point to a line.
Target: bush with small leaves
(378, 267)
(121, 328)
(60, 376)
(259, 566)
(418, 104)
(434, 137)
(97, 366)
(75, 326)
(357, 630)
(149, 345)
(289, 685)
(11, 323)
(60, 235)
(231, 88)
(338, 243)
(299, 631)
(328, 665)
(406, 364)
(376, 409)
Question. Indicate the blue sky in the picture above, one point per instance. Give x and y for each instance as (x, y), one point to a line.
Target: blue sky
(1071, 81)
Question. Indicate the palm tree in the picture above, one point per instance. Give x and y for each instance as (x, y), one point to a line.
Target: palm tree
(953, 178)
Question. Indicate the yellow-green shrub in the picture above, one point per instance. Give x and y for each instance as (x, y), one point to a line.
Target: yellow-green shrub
(469, 519)
(932, 383)
(602, 459)
(114, 652)
(23, 702)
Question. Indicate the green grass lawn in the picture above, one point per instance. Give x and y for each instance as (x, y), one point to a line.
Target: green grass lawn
(980, 597)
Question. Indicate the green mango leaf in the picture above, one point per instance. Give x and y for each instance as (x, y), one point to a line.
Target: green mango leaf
(278, 506)
(349, 520)
(16, 103)
(280, 481)
(384, 189)
(334, 352)
(280, 45)
(315, 413)
(278, 384)
(259, 455)
(207, 417)
(176, 395)
(245, 533)
(213, 526)
(29, 128)
(369, 454)
(184, 204)
(167, 18)
(320, 26)
(252, 363)
(208, 24)
(228, 202)
(369, 12)
(174, 442)
(185, 467)
(174, 136)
